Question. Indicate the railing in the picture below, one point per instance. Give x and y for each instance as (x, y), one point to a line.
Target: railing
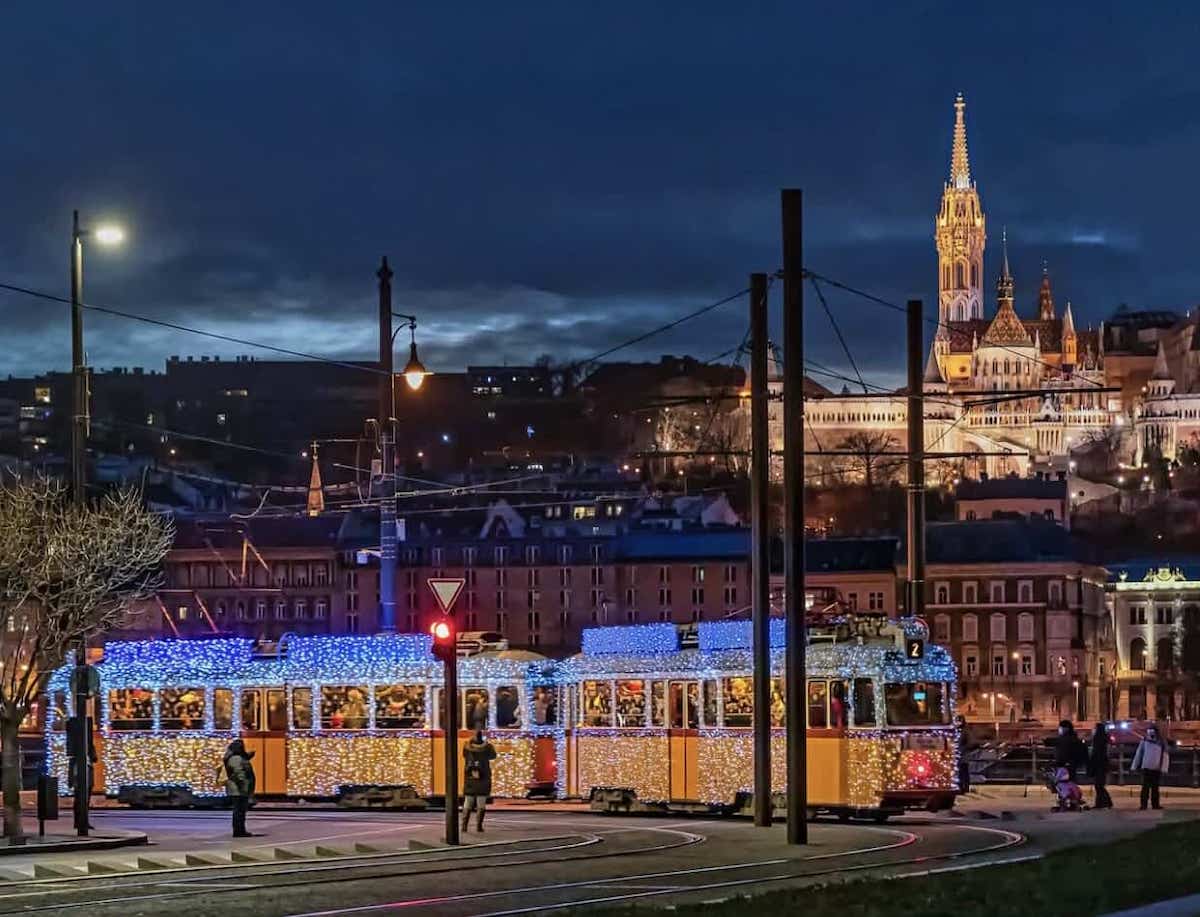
(1026, 762)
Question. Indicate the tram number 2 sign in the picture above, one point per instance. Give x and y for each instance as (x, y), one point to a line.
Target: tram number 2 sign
(914, 648)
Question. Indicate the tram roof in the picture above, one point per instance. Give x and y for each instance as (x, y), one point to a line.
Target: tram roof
(725, 646)
(380, 658)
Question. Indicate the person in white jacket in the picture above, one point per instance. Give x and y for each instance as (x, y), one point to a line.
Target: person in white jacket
(1153, 761)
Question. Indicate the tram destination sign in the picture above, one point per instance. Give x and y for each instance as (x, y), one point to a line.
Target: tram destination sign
(446, 590)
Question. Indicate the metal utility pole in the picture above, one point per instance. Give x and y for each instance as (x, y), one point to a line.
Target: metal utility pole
(80, 420)
(387, 429)
(760, 561)
(793, 491)
(915, 593)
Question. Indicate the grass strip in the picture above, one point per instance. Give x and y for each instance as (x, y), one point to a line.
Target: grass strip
(1157, 865)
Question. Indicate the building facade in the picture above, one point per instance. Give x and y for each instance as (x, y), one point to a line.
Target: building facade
(1156, 614)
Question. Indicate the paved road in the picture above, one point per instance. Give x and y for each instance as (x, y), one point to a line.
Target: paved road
(528, 862)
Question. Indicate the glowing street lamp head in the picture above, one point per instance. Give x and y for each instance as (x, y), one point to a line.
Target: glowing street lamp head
(414, 370)
(109, 234)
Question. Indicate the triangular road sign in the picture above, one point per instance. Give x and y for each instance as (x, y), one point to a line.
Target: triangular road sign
(446, 590)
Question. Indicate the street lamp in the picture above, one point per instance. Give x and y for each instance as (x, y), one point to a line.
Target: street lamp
(414, 371)
(80, 415)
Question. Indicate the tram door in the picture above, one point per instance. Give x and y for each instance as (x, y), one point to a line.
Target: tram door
(683, 719)
(264, 729)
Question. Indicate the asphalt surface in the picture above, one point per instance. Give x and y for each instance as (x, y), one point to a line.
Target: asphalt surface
(527, 862)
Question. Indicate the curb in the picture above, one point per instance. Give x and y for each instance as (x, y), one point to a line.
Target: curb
(99, 842)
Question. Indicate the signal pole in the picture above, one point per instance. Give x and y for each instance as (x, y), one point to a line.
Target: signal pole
(761, 550)
(795, 590)
(915, 592)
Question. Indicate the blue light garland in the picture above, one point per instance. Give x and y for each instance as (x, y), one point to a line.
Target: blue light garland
(633, 639)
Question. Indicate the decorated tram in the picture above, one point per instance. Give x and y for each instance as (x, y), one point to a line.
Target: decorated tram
(665, 718)
(322, 714)
(647, 715)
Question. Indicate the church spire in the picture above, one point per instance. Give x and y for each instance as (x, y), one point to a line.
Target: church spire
(1045, 296)
(316, 491)
(960, 168)
(1004, 286)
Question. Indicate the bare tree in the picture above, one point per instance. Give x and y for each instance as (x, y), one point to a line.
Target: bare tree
(67, 572)
(868, 455)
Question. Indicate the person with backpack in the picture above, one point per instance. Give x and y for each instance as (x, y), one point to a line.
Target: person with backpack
(478, 755)
(1152, 760)
(239, 783)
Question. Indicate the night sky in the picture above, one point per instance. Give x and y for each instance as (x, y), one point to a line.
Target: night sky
(552, 178)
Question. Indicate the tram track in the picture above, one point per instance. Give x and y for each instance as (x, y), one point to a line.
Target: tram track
(277, 879)
(235, 879)
(1010, 840)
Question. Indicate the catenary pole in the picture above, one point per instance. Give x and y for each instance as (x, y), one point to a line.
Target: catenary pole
(387, 429)
(793, 489)
(915, 593)
(760, 455)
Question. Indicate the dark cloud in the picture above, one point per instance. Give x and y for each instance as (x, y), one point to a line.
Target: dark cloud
(553, 178)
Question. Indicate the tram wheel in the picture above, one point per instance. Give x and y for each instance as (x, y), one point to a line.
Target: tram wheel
(843, 816)
(880, 818)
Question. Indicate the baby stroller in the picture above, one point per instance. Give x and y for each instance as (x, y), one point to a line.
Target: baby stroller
(1068, 797)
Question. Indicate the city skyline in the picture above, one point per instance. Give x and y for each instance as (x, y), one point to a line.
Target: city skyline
(634, 187)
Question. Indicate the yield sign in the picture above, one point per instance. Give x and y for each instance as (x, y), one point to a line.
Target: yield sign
(446, 591)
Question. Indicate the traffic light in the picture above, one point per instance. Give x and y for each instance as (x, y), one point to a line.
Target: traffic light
(445, 643)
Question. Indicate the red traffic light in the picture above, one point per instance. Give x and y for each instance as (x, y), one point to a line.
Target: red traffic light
(445, 643)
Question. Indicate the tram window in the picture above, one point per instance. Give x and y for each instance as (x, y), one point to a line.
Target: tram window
(343, 707)
(597, 703)
(818, 705)
(709, 689)
(864, 702)
(631, 703)
(739, 701)
(544, 707)
(276, 710)
(918, 703)
(130, 708)
(685, 700)
(837, 704)
(658, 703)
(400, 707)
(56, 716)
(181, 708)
(302, 708)
(474, 708)
(223, 709)
(508, 707)
(251, 710)
(778, 703)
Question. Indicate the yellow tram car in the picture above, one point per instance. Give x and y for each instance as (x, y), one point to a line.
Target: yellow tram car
(324, 715)
(661, 716)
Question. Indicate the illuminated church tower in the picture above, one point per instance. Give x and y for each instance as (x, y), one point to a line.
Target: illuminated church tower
(960, 236)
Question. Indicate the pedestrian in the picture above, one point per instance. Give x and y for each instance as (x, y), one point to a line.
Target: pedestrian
(1098, 766)
(478, 755)
(1069, 750)
(1152, 760)
(964, 766)
(239, 783)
